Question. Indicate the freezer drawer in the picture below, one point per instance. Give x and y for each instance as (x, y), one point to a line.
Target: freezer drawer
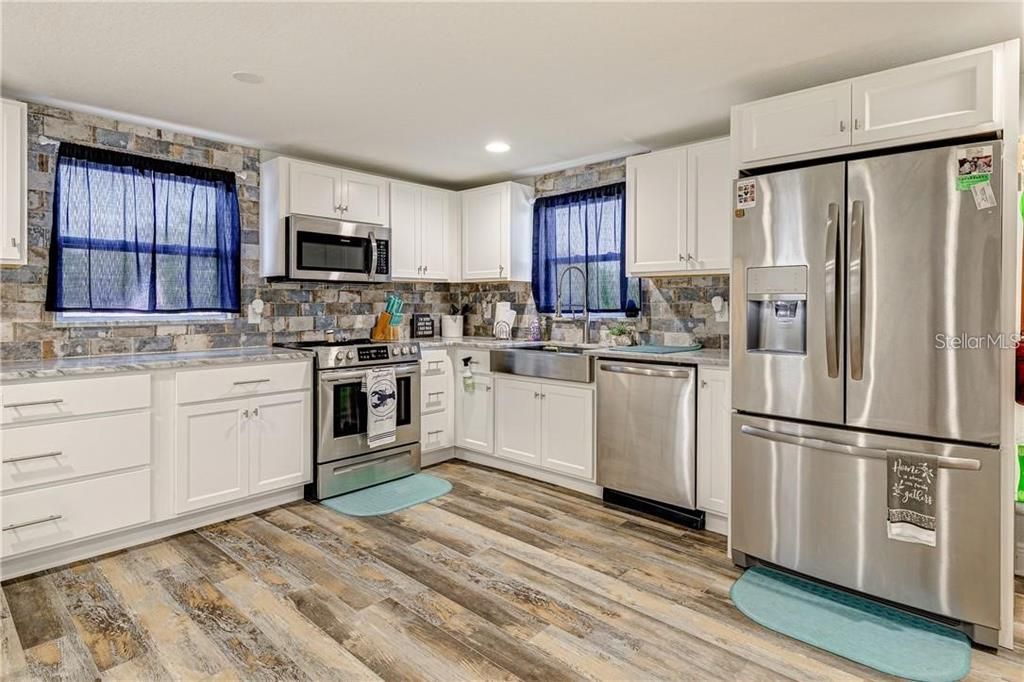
(819, 508)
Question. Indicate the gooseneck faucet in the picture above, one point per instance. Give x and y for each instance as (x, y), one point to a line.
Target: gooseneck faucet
(586, 309)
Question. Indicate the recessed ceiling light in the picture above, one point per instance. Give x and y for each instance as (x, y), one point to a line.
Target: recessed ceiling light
(247, 77)
(497, 147)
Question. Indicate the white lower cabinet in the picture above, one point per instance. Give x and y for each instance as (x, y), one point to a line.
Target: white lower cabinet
(517, 404)
(437, 419)
(714, 449)
(475, 415)
(545, 424)
(229, 449)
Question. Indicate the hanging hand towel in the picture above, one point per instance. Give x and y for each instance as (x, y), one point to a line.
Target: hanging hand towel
(910, 482)
(382, 405)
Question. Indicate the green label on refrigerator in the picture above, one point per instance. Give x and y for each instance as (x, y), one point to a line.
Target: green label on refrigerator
(965, 182)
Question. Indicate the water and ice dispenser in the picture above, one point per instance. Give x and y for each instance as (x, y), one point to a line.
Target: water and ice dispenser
(777, 309)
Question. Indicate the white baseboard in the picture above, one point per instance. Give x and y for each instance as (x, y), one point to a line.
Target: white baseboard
(50, 557)
(429, 459)
(585, 487)
(716, 523)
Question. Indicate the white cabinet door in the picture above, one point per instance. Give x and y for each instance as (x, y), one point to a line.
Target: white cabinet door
(364, 198)
(13, 169)
(517, 424)
(714, 450)
(709, 176)
(655, 212)
(484, 231)
(474, 415)
(805, 121)
(211, 454)
(567, 430)
(434, 233)
(405, 231)
(314, 189)
(279, 441)
(942, 94)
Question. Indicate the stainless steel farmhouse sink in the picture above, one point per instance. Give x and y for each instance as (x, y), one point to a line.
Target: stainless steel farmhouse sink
(546, 360)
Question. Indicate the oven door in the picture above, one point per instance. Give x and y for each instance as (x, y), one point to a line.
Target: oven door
(341, 419)
(336, 251)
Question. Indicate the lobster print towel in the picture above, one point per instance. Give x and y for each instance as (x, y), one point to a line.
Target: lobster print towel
(911, 486)
(382, 406)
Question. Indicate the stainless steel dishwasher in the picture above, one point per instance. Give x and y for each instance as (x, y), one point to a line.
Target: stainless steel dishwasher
(646, 437)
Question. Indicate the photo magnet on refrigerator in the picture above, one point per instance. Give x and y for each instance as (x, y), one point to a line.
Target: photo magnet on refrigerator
(746, 194)
(973, 166)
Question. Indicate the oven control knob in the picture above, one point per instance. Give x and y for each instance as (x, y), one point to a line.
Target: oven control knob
(405, 350)
(351, 355)
(395, 350)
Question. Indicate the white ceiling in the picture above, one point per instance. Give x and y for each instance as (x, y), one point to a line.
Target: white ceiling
(416, 90)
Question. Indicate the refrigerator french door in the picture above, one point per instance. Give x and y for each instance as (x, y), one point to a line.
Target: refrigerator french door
(853, 281)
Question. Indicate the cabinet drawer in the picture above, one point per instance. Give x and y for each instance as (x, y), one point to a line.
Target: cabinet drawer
(435, 432)
(481, 360)
(49, 453)
(238, 382)
(435, 394)
(64, 513)
(435, 363)
(24, 403)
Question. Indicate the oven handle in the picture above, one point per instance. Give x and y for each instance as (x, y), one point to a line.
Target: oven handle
(333, 377)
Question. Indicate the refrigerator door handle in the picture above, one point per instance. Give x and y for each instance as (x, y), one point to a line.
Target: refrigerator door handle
(856, 280)
(831, 257)
(958, 463)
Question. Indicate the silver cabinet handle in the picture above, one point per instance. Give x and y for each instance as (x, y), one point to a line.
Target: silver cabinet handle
(344, 209)
(36, 522)
(647, 372)
(831, 258)
(842, 126)
(433, 393)
(251, 381)
(487, 387)
(703, 383)
(681, 259)
(960, 463)
(30, 403)
(245, 414)
(431, 433)
(14, 241)
(255, 411)
(536, 395)
(501, 269)
(29, 458)
(855, 277)
(856, 124)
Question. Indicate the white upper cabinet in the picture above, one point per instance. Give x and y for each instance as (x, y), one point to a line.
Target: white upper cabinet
(709, 176)
(656, 211)
(805, 121)
(13, 190)
(952, 93)
(364, 198)
(323, 191)
(422, 232)
(314, 189)
(678, 215)
(405, 230)
(497, 232)
(933, 100)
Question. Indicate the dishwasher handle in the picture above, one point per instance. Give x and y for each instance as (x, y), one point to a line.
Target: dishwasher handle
(647, 371)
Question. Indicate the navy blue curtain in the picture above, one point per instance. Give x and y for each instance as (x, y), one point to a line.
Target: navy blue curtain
(135, 234)
(586, 229)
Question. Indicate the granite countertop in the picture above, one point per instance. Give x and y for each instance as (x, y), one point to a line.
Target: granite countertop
(41, 369)
(712, 357)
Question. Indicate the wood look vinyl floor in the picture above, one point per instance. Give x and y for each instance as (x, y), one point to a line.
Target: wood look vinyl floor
(503, 578)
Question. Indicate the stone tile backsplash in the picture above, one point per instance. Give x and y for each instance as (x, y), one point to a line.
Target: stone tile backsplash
(293, 311)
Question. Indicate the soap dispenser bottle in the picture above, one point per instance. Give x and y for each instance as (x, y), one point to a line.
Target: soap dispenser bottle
(468, 382)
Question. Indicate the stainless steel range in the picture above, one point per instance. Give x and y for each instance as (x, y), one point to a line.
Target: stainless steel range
(344, 459)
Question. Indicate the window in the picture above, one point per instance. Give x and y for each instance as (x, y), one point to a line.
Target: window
(585, 229)
(138, 235)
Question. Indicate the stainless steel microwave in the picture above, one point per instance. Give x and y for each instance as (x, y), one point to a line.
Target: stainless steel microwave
(320, 249)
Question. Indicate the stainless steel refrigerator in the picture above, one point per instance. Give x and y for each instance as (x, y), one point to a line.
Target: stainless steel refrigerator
(851, 283)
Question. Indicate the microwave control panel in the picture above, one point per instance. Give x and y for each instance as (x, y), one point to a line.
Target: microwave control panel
(382, 266)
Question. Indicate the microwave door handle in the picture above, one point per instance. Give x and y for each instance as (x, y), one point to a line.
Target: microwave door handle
(372, 269)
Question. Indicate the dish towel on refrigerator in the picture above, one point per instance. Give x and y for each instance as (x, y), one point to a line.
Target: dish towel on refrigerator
(381, 405)
(910, 481)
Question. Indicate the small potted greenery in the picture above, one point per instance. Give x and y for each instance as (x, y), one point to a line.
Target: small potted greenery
(621, 334)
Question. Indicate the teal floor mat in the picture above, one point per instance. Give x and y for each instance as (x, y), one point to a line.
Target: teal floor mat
(389, 497)
(872, 634)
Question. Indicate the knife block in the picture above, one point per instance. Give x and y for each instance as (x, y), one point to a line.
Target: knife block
(383, 330)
